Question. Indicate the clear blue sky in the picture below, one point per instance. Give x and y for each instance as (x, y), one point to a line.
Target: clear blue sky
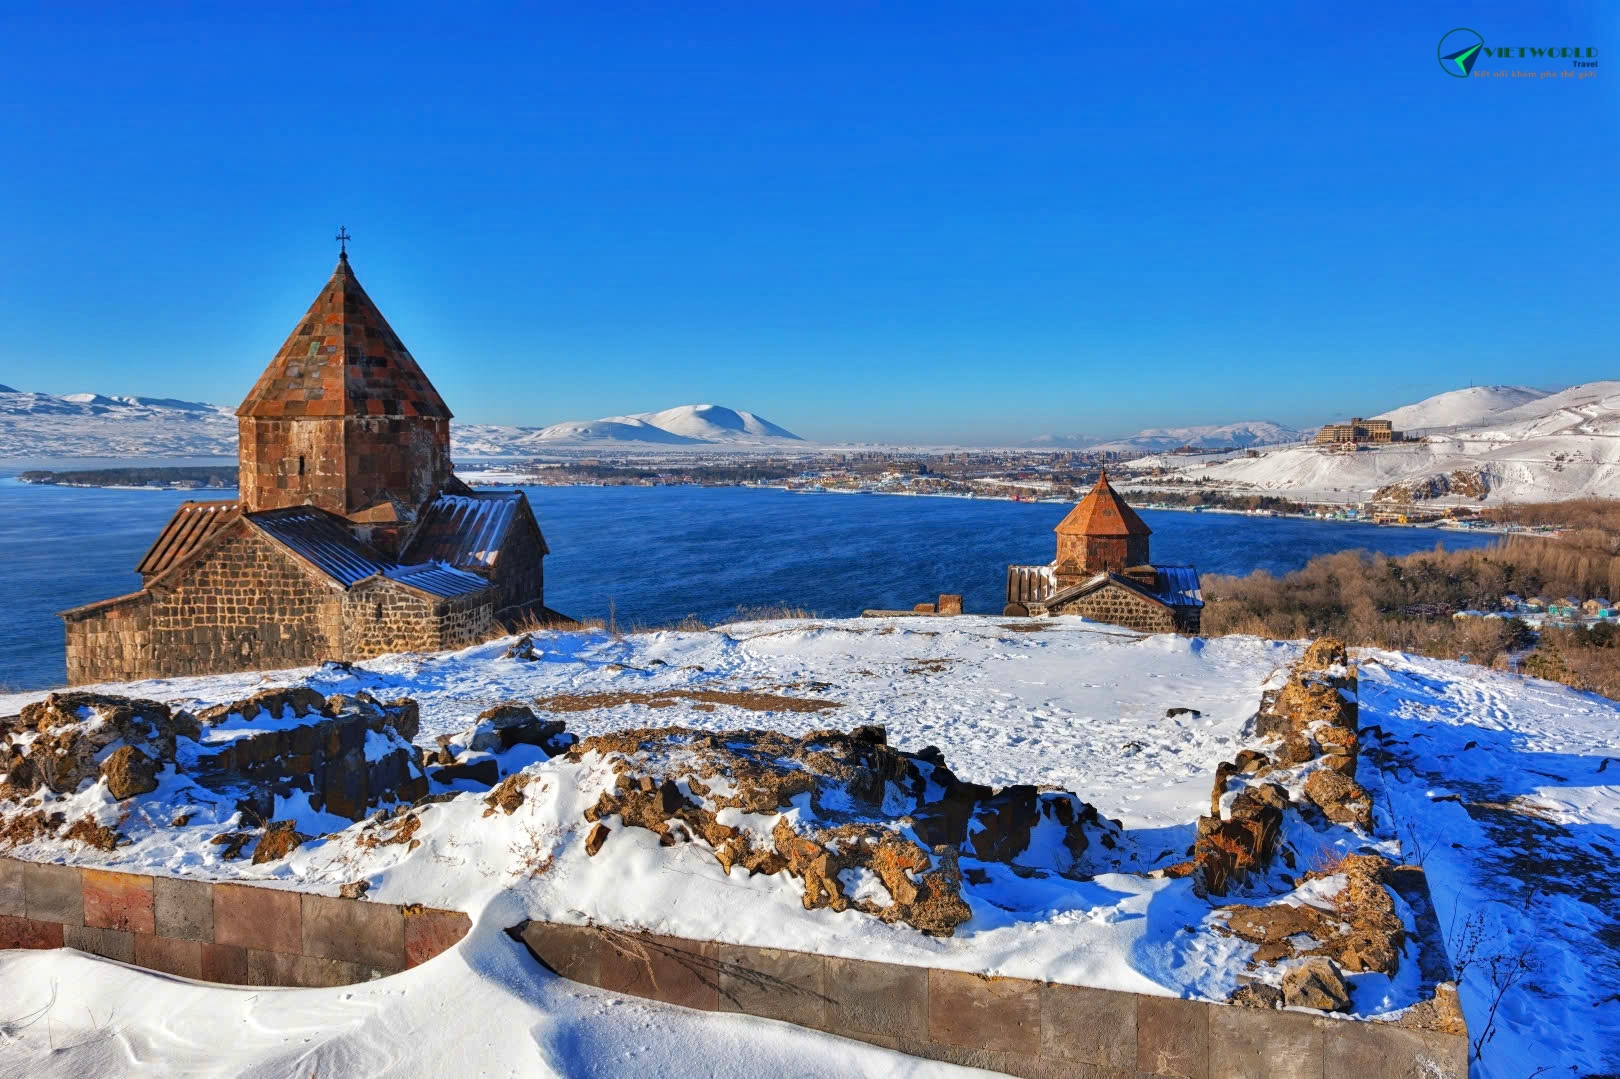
(955, 222)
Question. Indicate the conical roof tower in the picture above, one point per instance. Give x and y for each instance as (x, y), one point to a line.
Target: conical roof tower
(343, 417)
(1102, 533)
(343, 359)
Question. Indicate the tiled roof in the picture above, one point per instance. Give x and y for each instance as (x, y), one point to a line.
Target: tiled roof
(1179, 586)
(467, 531)
(321, 539)
(1103, 513)
(1174, 586)
(437, 579)
(1029, 584)
(343, 359)
(190, 527)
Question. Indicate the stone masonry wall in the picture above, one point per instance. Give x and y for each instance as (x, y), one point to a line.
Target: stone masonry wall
(291, 462)
(519, 572)
(112, 642)
(391, 457)
(1009, 1025)
(246, 605)
(234, 934)
(1093, 554)
(382, 616)
(1121, 607)
(341, 464)
(466, 620)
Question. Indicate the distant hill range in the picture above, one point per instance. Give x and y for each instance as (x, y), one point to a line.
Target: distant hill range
(1163, 439)
(94, 425)
(1485, 443)
(1490, 443)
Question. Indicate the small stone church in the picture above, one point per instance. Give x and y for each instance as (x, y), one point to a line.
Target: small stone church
(351, 536)
(1102, 572)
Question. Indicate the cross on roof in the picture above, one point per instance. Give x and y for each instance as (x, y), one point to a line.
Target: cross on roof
(343, 239)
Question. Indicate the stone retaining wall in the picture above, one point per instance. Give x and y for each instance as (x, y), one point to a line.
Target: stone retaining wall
(1004, 1024)
(236, 934)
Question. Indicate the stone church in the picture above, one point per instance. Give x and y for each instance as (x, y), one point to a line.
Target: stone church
(1102, 572)
(351, 536)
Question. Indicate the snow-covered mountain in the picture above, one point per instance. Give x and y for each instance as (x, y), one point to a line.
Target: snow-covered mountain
(1208, 436)
(1469, 407)
(1547, 447)
(1062, 442)
(98, 425)
(1159, 439)
(93, 425)
(683, 425)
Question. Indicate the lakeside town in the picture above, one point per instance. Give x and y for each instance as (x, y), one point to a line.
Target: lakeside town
(1009, 475)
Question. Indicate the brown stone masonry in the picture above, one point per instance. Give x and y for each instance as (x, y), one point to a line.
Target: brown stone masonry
(235, 934)
(1120, 606)
(382, 616)
(1003, 1024)
(244, 605)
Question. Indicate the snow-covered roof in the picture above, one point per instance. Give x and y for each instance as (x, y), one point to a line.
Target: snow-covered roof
(320, 539)
(467, 531)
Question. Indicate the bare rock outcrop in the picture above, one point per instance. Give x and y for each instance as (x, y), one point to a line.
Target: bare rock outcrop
(60, 742)
(280, 839)
(1340, 798)
(129, 772)
(1360, 930)
(1316, 983)
(348, 752)
(871, 828)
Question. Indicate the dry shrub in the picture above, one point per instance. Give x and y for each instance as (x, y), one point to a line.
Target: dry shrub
(771, 613)
(1407, 603)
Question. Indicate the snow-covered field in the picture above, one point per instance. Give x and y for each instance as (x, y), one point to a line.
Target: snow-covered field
(1520, 858)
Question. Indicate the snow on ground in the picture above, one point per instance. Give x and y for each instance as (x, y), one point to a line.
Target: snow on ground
(485, 1008)
(1507, 790)
(1522, 858)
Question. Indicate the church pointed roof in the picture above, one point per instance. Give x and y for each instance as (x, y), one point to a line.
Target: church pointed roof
(343, 359)
(1103, 513)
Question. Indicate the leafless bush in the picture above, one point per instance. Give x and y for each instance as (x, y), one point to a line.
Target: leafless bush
(1499, 969)
(1407, 604)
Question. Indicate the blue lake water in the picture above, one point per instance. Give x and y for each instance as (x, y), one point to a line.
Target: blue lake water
(658, 554)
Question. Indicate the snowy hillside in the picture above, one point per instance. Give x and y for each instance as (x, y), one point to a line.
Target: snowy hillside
(1547, 448)
(690, 425)
(90, 424)
(1496, 782)
(715, 423)
(1469, 407)
(682, 427)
